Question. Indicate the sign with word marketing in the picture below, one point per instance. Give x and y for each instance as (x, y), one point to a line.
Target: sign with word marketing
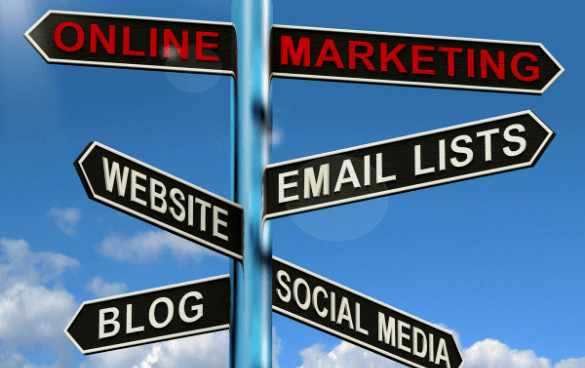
(412, 60)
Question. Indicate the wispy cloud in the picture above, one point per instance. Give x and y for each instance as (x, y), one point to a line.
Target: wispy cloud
(276, 348)
(147, 246)
(66, 219)
(100, 288)
(277, 135)
(19, 264)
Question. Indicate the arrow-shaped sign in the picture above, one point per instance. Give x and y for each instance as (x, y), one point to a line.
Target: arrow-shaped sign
(165, 313)
(321, 303)
(121, 41)
(412, 60)
(142, 191)
(437, 157)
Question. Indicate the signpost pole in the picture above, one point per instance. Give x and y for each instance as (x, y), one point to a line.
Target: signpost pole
(251, 325)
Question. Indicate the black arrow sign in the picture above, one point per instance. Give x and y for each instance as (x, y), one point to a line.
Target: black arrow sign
(142, 191)
(361, 320)
(412, 60)
(121, 41)
(399, 165)
(165, 313)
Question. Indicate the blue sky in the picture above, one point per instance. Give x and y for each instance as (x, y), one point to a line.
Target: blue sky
(499, 260)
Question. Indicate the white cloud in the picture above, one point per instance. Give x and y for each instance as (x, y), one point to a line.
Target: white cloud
(342, 356)
(488, 353)
(31, 314)
(491, 353)
(19, 264)
(66, 219)
(147, 246)
(208, 350)
(101, 288)
(205, 351)
(571, 363)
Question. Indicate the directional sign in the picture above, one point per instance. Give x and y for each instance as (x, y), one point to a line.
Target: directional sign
(121, 41)
(412, 60)
(165, 313)
(142, 191)
(399, 165)
(361, 320)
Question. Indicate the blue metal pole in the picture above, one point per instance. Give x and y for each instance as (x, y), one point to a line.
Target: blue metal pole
(251, 325)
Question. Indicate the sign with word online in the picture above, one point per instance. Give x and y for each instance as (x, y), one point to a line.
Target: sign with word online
(121, 41)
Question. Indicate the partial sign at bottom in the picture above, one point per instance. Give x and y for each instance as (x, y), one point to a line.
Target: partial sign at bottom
(142, 317)
(361, 320)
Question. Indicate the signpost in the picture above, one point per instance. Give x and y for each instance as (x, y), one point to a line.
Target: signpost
(142, 191)
(359, 319)
(165, 313)
(120, 41)
(442, 156)
(384, 168)
(412, 60)
(251, 142)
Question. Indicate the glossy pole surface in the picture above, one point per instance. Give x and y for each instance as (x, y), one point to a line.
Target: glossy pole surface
(251, 325)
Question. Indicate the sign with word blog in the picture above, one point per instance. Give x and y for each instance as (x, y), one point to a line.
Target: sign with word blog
(142, 317)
